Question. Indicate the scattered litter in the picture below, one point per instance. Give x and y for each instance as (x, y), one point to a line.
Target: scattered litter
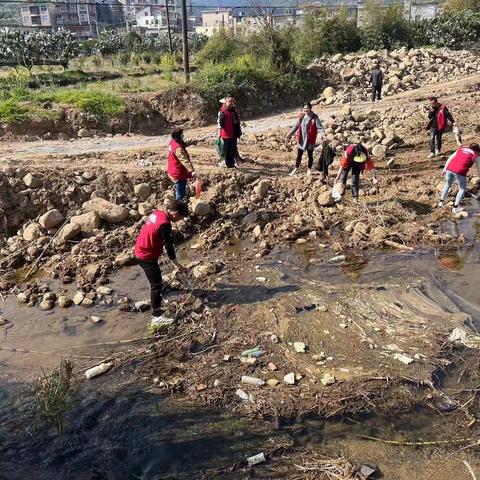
(93, 318)
(261, 279)
(227, 358)
(217, 383)
(403, 358)
(327, 379)
(289, 379)
(274, 338)
(463, 336)
(342, 325)
(300, 347)
(319, 357)
(272, 382)
(145, 163)
(337, 259)
(253, 352)
(391, 162)
(256, 459)
(272, 367)
(98, 370)
(366, 472)
(253, 381)
(201, 387)
(248, 360)
(242, 394)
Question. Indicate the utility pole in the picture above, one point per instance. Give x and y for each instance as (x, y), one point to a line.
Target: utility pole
(186, 66)
(170, 49)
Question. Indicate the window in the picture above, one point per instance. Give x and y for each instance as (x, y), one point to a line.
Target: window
(43, 8)
(34, 10)
(25, 9)
(84, 18)
(59, 20)
(73, 8)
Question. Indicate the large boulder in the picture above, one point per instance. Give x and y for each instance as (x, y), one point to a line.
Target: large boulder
(87, 221)
(325, 199)
(262, 187)
(201, 208)
(329, 92)
(84, 133)
(32, 181)
(379, 151)
(359, 116)
(336, 58)
(51, 219)
(109, 212)
(142, 191)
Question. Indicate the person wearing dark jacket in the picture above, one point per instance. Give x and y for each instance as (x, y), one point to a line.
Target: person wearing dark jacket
(376, 79)
(229, 130)
(439, 117)
(154, 237)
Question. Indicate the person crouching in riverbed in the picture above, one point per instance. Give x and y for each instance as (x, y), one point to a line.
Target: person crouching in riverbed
(456, 168)
(356, 159)
(154, 237)
(307, 127)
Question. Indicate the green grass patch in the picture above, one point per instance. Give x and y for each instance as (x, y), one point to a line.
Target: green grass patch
(12, 111)
(99, 104)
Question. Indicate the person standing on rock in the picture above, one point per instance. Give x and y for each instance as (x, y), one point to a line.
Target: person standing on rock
(178, 173)
(307, 127)
(154, 237)
(439, 117)
(376, 79)
(356, 159)
(456, 168)
(229, 130)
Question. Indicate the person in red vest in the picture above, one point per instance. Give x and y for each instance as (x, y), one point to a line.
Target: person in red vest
(456, 168)
(356, 159)
(229, 130)
(178, 173)
(439, 117)
(154, 237)
(307, 127)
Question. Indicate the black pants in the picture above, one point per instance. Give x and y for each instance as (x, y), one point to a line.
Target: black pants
(230, 149)
(435, 140)
(356, 170)
(154, 276)
(300, 155)
(376, 92)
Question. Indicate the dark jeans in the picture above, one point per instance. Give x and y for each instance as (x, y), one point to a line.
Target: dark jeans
(356, 170)
(230, 151)
(376, 92)
(300, 155)
(180, 189)
(435, 139)
(154, 276)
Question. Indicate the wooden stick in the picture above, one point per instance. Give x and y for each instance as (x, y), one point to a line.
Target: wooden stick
(451, 455)
(416, 444)
(470, 470)
(393, 244)
(45, 249)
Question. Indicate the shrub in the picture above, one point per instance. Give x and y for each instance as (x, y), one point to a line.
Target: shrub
(455, 29)
(11, 111)
(167, 64)
(220, 47)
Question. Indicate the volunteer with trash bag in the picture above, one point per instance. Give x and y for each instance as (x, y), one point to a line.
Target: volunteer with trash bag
(178, 173)
(356, 159)
(154, 237)
(307, 126)
(456, 168)
(229, 131)
(439, 119)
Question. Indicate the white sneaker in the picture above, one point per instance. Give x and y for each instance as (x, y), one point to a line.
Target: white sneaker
(432, 155)
(294, 172)
(437, 153)
(222, 163)
(161, 321)
(309, 171)
(457, 209)
(440, 203)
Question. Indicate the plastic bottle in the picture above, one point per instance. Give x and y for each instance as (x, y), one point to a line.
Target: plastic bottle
(98, 370)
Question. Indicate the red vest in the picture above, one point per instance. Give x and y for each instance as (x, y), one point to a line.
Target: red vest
(347, 159)
(176, 169)
(311, 130)
(462, 161)
(441, 120)
(228, 130)
(149, 245)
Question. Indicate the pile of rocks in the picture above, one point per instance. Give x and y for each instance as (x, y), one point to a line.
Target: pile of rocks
(348, 76)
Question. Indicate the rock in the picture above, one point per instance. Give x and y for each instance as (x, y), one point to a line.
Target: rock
(390, 162)
(47, 305)
(88, 222)
(253, 381)
(96, 319)
(50, 219)
(69, 231)
(256, 459)
(272, 382)
(379, 151)
(336, 58)
(325, 199)
(346, 110)
(359, 116)
(63, 136)
(23, 297)
(91, 273)
(142, 305)
(107, 211)
(49, 296)
(64, 301)
(200, 208)
(329, 92)
(84, 133)
(87, 302)
(406, 360)
(300, 347)
(78, 298)
(271, 366)
(262, 187)
(257, 231)
(217, 383)
(31, 233)
(145, 208)
(3, 321)
(31, 181)
(289, 379)
(327, 379)
(102, 290)
(372, 54)
(142, 191)
(123, 259)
